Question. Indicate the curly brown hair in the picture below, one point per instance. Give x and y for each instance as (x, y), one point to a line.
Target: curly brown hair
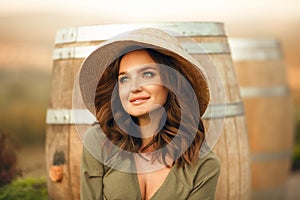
(183, 149)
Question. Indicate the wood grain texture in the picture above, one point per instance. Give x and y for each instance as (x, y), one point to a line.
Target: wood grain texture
(64, 137)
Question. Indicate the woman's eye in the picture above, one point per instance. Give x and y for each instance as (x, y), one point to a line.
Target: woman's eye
(148, 74)
(123, 79)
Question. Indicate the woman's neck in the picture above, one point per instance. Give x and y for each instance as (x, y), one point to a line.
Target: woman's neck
(147, 134)
(150, 125)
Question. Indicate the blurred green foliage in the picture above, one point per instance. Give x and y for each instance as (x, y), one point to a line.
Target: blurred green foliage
(25, 189)
(296, 157)
(8, 157)
(297, 127)
(23, 103)
(296, 153)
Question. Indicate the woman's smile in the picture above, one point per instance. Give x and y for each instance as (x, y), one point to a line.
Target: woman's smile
(137, 100)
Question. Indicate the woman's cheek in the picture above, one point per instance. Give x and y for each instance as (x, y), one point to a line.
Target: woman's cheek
(124, 96)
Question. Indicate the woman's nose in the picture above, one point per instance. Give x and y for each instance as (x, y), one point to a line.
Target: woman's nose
(136, 86)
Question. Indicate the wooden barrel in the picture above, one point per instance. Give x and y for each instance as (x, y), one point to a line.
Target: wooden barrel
(63, 138)
(261, 74)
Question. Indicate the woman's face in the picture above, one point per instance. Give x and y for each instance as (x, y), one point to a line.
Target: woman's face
(140, 84)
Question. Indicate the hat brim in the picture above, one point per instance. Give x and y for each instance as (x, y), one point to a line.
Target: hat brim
(97, 62)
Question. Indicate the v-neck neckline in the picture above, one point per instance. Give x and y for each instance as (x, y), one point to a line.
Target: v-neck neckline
(160, 188)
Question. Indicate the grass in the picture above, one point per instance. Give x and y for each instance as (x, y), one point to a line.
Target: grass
(25, 189)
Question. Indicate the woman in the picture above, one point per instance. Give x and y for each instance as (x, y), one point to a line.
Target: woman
(148, 96)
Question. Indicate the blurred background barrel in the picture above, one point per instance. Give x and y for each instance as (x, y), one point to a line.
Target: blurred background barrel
(261, 73)
(64, 132)
(231, 145)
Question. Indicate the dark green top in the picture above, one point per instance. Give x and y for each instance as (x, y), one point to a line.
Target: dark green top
(98, 181)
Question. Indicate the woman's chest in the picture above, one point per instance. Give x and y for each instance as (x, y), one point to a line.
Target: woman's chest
(123, 185)
(151, 182)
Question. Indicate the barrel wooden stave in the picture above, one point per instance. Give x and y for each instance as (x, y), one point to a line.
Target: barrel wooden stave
(260, 73)
(62, 137)
(268, 125)
(273, 167)
(57, 138)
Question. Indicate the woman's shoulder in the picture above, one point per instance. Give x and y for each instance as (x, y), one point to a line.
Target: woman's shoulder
(92, 134)
(201, 170)
(206, 167)
(101, 148)
(93, 139)
(208, 160)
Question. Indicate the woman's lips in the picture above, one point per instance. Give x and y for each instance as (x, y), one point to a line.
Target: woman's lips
(138, 100)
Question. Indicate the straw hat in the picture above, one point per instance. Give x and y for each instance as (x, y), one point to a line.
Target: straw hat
(95, 64)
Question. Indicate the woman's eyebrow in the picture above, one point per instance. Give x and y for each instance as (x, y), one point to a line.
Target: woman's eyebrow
(153, 67)
(122, 73)
(142, 69)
